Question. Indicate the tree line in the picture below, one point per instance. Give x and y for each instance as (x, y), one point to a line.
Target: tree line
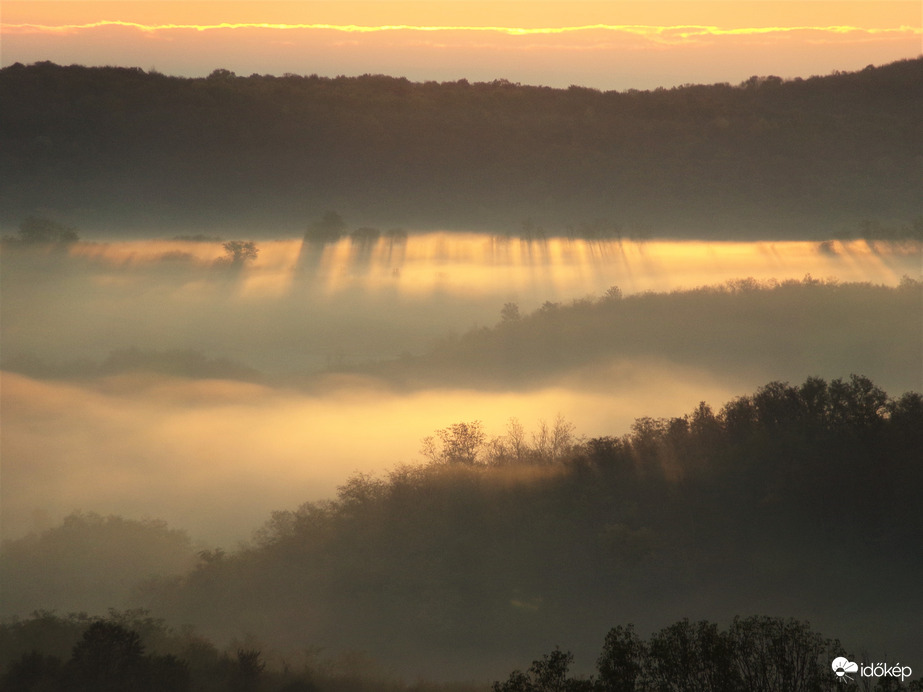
(495, 548)
(754, 654)
(785, 157)
(732, 330)
(482, 553)
(129, 651)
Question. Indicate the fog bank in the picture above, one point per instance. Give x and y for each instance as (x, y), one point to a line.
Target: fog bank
(215, 457)
(164, 379)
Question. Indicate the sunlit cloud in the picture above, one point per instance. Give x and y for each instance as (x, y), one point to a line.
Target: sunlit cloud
(643, 48)
(660, 34)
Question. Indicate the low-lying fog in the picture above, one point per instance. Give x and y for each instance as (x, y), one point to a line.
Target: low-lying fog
(163, 379)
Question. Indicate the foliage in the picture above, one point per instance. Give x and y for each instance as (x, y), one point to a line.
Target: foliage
(105, 654)
(546, 675)
(776, 654)
(509, 312)
(740, 329)
(89, 562)
(460, 443)
(621, 663)
(496, 541)
(328, 229)
(778, 157)
(756, 654)
(365, 235)
(467, 444)
(499, 547)
(108, 656)
(247, 669)
(238, 252)
(130, 652)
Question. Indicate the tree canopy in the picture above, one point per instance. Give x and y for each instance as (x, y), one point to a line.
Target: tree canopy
(770, 156)
(486, 549)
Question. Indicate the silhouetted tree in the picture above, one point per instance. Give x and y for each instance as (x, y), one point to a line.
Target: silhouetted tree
(247, 670)
(328, 229)
(238, 252)
(613, 293)
(551, 443)
(546, 675)
(757, 654)
(460, 443)
(777, 655)
(365, 235)
(108, 657)
(692, 657)
(220, 74)
(620, 665)
(858, 404)
(509, 312)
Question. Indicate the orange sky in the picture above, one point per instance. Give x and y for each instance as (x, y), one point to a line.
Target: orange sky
(641, 44)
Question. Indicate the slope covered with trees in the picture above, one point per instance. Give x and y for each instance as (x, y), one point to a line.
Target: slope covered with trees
(121, 147)
(793, 501)
(88, 563)
(743, 328)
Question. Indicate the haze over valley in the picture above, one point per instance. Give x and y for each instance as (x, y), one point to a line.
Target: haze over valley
(254, 376)
(423, 380)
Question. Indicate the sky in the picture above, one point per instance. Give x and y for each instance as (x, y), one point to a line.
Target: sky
(643, 44)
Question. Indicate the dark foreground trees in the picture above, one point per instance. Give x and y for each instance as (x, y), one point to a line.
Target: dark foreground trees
(755, 654)
(108, 657)
(132, 652)
(126, 652)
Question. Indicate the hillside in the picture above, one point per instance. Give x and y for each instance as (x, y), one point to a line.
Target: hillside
(741, 329)
(501, 548)
(124, 150)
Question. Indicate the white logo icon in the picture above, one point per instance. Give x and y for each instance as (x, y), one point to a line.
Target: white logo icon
(841, 666)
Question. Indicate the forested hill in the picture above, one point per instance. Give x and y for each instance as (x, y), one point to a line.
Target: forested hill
(791, 501)
(122, 148)
(741, 329)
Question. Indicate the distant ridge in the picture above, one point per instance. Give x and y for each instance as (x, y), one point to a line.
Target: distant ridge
(117, 148)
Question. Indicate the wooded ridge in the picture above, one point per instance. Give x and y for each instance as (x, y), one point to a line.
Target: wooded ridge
(117, 147)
